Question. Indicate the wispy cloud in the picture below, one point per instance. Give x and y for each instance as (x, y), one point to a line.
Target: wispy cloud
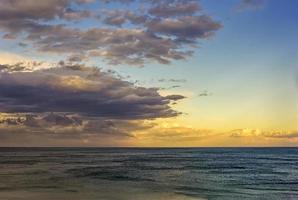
(172, 80)
(204, 94)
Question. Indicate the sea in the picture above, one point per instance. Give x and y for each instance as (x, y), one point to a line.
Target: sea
(148, 173)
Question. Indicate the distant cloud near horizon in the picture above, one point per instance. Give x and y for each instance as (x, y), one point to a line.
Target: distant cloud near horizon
(159, 32)
(278, 134)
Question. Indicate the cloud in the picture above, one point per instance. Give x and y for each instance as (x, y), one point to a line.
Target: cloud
(137, 18)
(205, 94)
(60, 124)
(21, 44)
(16, 67)
(172, 80)
(178, 134)
(20, 66)
(174, 9)
(249, 5)
(29, 9)
(288, 135)
(120, 17)
(172, 134)
(71, 14)
(82, 90)
(173, 87)
(85, 1)
(115, 17)
(50, 119)
(186, 28)
(278, 134)
(75, 103)
(33, 10)
(56, 129)
(175, 97)
(125, 37)
(76, 58)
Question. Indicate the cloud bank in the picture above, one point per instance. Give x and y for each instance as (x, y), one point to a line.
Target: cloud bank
(75, 101)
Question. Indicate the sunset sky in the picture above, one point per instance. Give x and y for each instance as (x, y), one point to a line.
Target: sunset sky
(148, 73)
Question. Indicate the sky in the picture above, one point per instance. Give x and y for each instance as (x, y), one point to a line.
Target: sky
(148, 73)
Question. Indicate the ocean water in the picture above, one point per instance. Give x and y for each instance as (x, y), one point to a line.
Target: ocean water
(148, 174)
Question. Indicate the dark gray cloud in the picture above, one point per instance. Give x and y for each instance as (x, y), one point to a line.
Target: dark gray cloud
(175, 97)
(81, 90)
(59, 129)
(128, 36)
(59, 123)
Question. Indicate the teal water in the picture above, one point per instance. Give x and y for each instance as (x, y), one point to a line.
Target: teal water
(148, 174)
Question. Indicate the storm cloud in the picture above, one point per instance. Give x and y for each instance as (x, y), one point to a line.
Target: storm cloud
(82, 90)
